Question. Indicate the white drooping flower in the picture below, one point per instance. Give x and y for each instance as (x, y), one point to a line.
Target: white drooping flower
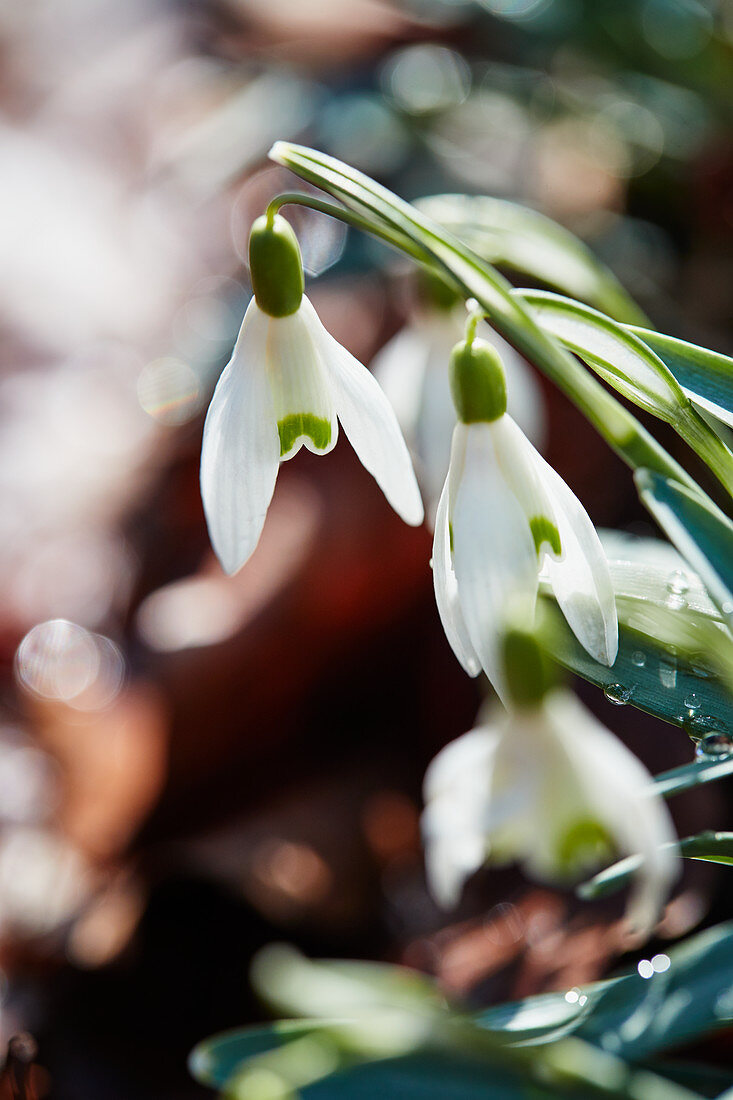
(504, 517)
(412, 369)
(550, 786)
(287, 385)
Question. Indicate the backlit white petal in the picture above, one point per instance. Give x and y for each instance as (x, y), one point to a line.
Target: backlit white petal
(240, 449)
(369, 421)
(580, 578)
(301, 397)
(493, 552)
(446, 591)
(453, 825)
(619, 791)
(466, 761)
(400, 370)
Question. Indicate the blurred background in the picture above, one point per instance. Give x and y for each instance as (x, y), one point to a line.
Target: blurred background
(192, 766)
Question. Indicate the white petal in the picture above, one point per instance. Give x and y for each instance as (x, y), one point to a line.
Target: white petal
(437, 419)
(456, 791)
(619, 792)
(461, 762)
(241, 448)
(369, 421)
(446, 591)
(580, 578)
(301, 393)
(493, 552)
(400, 370)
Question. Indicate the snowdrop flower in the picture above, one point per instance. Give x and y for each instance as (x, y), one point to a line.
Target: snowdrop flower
(549, 785)
(412, 369)
(284, 387)
(503, 517)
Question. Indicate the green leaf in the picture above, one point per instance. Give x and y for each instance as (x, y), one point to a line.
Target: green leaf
(475, 278)
(700, 531)
(426, 1076)
(617, 355)
(575, 1044)
(630, 366)
(707, 1080)
(653, 671)
(709, 845)
(705, 376)
(526, 241)
(636, 1017)
(681, 779)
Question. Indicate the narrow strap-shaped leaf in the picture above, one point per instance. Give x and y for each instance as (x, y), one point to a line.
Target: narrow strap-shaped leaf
(628, 364)
(650, 674)
(619, 356)
(474, 277)
(705, 376)
(524, 240)
(709, 845)
(700, 531)
(692, 775)
(639, 1017)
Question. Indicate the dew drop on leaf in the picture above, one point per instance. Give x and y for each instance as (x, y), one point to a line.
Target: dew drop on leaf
(617, 694)
(714, 744)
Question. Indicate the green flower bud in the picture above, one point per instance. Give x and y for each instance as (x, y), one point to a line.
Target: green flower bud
(530, 673)
(275, 266)
(477, 382)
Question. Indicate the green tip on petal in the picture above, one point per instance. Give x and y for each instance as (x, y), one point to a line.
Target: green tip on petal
(275, 266)
(544, 530)
(585, 844)
(297, 425)
(530, 673)
(477, 382)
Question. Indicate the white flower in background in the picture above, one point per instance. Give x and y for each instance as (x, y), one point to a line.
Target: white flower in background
(287, 384)
(412, 369)
(550, 786)
(503, 517)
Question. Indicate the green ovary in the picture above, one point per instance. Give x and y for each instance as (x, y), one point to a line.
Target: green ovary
(296, 425)
(586, 843)
(544, 530)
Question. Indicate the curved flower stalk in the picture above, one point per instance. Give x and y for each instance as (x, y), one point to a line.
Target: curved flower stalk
(503, 517)
(287, 385)
(546, 784)
(412, 370)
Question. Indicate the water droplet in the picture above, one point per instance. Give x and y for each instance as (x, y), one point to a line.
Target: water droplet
(617, 694)
(638, 658)
(645, 968)
(678, 582)
(692, 701)
(727, 607)
(714, 744)
(660, 963)
(572, 996)
(703, 724)
(701, 671)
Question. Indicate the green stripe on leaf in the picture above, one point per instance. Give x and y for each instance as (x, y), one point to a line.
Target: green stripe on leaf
(293, 427)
